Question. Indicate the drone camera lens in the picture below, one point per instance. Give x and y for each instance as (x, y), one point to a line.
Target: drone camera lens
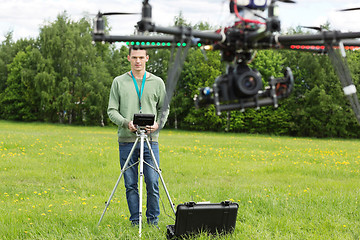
(248, 83)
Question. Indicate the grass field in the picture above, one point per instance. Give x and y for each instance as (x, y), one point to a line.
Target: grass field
(55, 180)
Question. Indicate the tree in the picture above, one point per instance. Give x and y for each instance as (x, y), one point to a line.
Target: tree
(197, 73)
(97, 96)
(6, 56)
(8, 50)
(76, 63)
(20, 99)
(116, 60)
(318, 105)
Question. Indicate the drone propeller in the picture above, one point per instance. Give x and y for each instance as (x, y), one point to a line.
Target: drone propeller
(99, 24)
(313, 28)
(285, 1)
(118, 13)
(349, 9)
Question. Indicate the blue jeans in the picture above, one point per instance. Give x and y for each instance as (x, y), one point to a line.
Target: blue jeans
(131, 180)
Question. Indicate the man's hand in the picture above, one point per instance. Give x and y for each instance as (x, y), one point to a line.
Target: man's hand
(153, 128)
(132, 127)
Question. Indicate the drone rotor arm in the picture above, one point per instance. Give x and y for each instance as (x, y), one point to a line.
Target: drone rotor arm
(319, 46)
(132, 38)
(317, 42)
(324, 36)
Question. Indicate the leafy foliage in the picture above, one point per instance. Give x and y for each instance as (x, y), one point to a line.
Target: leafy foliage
(63, 77)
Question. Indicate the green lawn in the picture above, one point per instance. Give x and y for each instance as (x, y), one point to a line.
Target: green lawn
(55, 180)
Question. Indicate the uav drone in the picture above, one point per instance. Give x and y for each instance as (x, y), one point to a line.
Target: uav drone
(241, 87)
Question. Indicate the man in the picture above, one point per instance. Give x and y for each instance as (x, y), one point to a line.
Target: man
(133, 92)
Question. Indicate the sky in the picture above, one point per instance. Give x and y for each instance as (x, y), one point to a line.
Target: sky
(25, 17)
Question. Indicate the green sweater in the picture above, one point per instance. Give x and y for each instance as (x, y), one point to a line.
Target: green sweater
(124, 103)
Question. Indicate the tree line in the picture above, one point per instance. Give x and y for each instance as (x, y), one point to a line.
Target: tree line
(63, 77)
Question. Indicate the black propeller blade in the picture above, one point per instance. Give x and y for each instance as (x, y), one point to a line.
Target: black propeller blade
(314, 28)
(118, 13)
(284, 1)
(287, 1)
(349, 9)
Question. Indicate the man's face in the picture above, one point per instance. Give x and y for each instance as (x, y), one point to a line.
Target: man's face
(138, 59)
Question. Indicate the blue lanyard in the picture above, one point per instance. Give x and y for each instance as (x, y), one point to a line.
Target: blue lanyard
(139, 93)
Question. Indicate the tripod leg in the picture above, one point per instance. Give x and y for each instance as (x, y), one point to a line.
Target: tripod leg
(157, 169)
(141, 175)
(118, 181)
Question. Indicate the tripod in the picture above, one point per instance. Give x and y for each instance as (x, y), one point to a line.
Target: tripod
(142, 137)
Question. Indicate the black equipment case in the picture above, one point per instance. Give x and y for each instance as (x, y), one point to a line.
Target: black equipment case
(214, 218)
